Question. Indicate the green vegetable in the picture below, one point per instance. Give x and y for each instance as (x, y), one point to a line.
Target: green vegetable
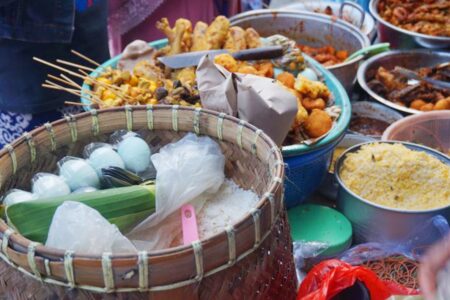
(124, 207)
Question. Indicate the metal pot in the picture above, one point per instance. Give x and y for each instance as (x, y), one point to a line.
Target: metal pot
(375, 223)
(310, 29)
(348, 10)
(411, 59)
(373, 110)
(404, 39)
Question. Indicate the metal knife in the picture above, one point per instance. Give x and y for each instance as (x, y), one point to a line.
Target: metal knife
(190, 59)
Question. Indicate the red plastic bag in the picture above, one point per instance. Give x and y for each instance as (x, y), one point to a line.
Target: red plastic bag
(330, 277)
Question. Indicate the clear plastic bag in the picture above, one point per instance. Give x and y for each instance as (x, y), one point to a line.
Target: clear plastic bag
(102, 155)
(78, 173)
(187, 171)
(15, 196)
(413, 246)
(304, 251)
(80, 228)
(134, 151)
(46, 185)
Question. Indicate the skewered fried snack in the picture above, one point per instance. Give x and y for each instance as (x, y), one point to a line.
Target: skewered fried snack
(180, 37)
(199, 42)
(217, 32)
(252, 38)
(235, 39)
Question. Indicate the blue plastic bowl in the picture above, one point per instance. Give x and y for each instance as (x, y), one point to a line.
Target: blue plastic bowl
(306, 166)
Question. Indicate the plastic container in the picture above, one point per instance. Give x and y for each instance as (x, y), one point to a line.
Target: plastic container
(317, 223)
(431, 129)
(306, 165)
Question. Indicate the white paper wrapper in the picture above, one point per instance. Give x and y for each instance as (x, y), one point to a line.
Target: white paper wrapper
(257, 100)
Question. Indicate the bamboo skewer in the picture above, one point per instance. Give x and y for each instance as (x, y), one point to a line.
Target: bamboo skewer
(70, 80)
(85, 58)
(52, 85)
(86, 77)
(77, 103)
(64, 62)
(62, 80)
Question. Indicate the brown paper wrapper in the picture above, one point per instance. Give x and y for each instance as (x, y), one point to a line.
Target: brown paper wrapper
(257, 100)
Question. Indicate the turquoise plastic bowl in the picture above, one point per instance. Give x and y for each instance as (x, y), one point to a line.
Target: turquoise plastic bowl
(306, 165)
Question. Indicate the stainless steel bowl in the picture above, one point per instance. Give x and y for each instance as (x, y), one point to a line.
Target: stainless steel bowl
(375, 223)
(404, 39)
(373, 110)
(310, 29)
(350, 11)
(329, 186)
(411, 59)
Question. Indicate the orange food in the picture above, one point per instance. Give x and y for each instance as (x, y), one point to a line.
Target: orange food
(318, 123)
(442, 104)
(427, 107)
(326, 55)
(287, 79)
(311, 104)
(417, 104)
(247, 69)
(265, 69)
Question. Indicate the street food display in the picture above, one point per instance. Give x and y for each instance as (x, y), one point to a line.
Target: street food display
(421, 95)
(427, 17)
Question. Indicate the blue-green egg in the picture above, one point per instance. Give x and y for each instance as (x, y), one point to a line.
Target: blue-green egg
(105, 157)
(135, 153)
(78, 173)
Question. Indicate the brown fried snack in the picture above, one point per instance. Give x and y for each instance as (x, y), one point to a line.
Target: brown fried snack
(318, 123)
(199, 42)
(217, 32)
(252, 38)
(235, 39)
(180, 37)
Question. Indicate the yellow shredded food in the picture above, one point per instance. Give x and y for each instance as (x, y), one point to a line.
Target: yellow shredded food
(395, 176)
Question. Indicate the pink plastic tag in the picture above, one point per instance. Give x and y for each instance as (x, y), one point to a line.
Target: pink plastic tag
(189, 224)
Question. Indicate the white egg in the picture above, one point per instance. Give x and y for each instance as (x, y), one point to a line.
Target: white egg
(15, 196)
(105, 157)
(50, 185)
(86, 189)
(135, 153)
(78, 173)
(310, 74)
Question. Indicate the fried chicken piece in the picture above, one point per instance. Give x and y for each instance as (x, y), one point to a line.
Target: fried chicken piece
(265, 69)
(287, 79)
(235, 39)
(311, 89)
(199, 42)
(387, 79)
(247, 69)
(227, 61)
(148, 70)
(217, 32)
(180, 37)
(252, 38)
(318, 123)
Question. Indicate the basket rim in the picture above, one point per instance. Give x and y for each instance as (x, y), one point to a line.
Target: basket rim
(263, 207)
(260, 203)
(291, 150)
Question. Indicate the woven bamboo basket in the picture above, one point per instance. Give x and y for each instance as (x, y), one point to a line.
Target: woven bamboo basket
(250, 260)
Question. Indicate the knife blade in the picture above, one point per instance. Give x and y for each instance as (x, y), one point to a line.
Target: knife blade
(190, 59)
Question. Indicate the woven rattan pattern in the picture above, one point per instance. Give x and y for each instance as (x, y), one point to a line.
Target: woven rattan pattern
(267, 272)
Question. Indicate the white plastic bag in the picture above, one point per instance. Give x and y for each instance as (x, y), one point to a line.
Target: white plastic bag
(80, 228)
(186, 170)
